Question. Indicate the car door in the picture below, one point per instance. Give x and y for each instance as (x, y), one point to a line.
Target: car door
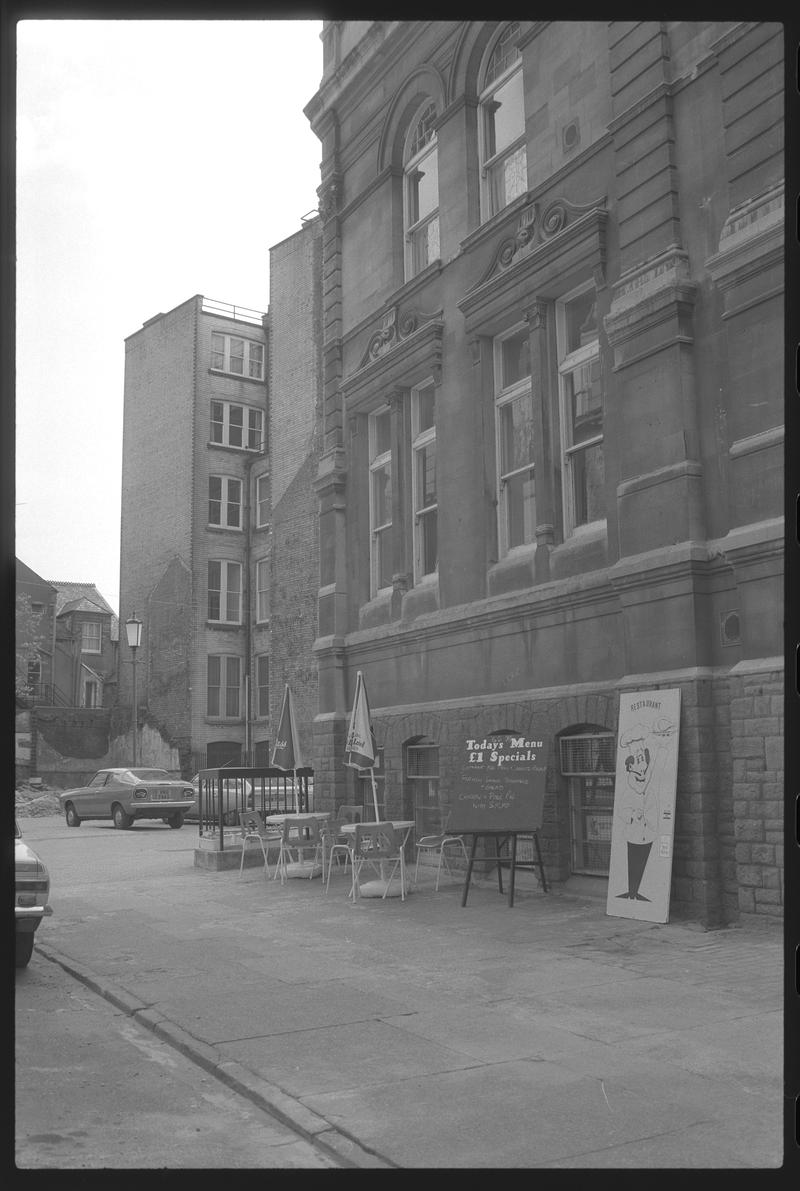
(115, 790)
(88, 802)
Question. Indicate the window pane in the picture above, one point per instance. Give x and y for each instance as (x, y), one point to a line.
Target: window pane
(429, 556)
(581, 321)
(254, 423)
(262, 500)
(217, 418)
(426, 399)
(381, 427)
(236, 363)
(235, 415)
(588, 476)
(213, 686)
(256, 360)
(424, 131)
(217, 351)
(515, 358)
(234, 502)
(585, 397)
(520, 509)
(233, 594)
(382, 544)
(504, 53)
(426, 186)
(426, 475)
(516, 433)
(232, 688)
(382, 495)
(506, 115)
(214, 580)
(214, 500)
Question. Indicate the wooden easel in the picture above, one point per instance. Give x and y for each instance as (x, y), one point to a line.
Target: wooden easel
(500, 838)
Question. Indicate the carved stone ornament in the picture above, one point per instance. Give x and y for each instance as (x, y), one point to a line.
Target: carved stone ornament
(534, 229)
(329, 195)
(396, 327)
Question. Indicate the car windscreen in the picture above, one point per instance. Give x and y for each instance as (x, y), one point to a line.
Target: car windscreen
(148, 775)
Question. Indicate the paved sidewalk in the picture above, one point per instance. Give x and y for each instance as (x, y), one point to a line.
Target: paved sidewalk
(427, 1034)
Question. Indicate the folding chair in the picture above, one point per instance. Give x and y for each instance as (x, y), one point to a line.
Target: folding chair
(297, 838)
(431, 844)
(378, 845)
(255, 831)
(336, 845)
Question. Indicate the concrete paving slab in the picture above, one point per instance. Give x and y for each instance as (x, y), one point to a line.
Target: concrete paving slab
(623, 1009)
(517, 1114)
(244, 1012)
(309, 1062)
(747, 1049)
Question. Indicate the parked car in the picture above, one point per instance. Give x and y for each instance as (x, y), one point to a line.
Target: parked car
(126, 795)
(232, 801)
(31, 893)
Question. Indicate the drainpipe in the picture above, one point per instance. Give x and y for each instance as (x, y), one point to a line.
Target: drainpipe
(247, 586)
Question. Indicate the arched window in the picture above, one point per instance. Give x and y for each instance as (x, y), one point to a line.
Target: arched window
(504, 167)
(421, 193)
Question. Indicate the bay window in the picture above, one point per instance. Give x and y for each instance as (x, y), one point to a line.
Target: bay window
(243, 357)
(91, 636)
(236, 425)
(225, 502)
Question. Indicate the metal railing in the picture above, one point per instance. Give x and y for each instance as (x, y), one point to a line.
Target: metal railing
(47, 694)
(241, 313)
(225, 792)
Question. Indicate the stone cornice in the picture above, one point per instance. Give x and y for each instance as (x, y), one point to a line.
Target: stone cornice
(751, 240)
(651, 292)
(401, 354)
(538, 258)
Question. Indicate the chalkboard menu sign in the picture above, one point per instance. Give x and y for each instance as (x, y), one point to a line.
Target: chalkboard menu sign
(499, 785)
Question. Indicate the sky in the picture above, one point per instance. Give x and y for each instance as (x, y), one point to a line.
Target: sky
(155, 160)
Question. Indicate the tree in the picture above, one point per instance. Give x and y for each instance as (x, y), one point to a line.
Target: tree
(27, 631)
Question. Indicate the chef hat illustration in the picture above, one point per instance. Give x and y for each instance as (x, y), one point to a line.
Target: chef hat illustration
(634, 734)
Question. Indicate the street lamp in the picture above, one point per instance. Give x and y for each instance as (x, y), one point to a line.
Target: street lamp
(133, 628)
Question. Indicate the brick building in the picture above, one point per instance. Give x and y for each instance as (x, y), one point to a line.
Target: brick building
(552, 284)
(87, 641)
(294, 449)
(194, 548)
(219, 551)
(36, 623)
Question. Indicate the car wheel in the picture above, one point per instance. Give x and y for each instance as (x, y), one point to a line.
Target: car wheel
(23, 948)
(176, 820)
(72, 816)
(122, 820)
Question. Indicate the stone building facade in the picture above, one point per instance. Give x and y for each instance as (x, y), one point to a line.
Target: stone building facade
(552, 418)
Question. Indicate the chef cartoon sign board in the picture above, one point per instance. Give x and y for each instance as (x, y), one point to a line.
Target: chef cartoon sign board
(644, 805)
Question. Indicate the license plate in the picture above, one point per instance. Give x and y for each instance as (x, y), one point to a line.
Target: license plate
(161, 795)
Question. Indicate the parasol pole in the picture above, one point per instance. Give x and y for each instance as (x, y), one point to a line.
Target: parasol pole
(374, 793)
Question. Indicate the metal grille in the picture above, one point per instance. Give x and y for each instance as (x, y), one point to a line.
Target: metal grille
(583, 756)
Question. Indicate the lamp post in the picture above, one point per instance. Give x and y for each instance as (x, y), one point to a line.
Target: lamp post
(133, 628)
